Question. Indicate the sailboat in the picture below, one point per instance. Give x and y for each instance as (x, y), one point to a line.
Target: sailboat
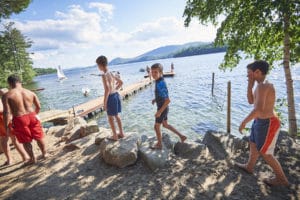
(60, 73)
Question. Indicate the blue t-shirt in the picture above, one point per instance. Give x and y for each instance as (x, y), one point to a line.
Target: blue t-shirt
(161, 92)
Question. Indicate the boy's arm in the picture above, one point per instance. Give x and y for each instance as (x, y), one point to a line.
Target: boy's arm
(36, 103)
(119, 82)
(164, 106)
(249, 90)
(6, 117)
(259, 104)
(106, 91)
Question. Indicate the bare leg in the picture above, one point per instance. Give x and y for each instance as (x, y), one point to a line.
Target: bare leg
(171, 128)
(6, 149)
(112, 126)
(28, 149)
(158, 145)
(253, 156)
(280, 178)
(119, 122)
(42, 147)
(19, 148)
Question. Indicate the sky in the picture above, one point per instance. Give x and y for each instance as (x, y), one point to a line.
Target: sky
(73, 33)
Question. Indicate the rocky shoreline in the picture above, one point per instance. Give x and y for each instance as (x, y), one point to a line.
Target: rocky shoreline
(84, 164)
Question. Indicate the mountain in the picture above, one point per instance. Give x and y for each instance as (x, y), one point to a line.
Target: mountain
(160, 53)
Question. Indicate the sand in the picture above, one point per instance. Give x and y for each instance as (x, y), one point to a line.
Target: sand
(81, 174)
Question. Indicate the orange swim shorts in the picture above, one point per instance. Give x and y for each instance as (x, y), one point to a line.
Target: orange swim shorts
(27, 127)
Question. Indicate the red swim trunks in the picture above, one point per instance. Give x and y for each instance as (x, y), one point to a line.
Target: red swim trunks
(27, 127)
(2, 128)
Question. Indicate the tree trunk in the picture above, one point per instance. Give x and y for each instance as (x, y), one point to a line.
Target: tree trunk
(289, 80)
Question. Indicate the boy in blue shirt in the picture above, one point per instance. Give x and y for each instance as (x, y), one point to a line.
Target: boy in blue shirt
(162, 101)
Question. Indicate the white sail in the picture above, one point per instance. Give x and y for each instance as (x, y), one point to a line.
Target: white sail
(60, 73)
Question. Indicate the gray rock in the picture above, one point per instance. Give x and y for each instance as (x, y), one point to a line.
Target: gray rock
(155, 159)
(57, 131)
(102, 134)
(222, 145)
(81, 143)
(91, 127)
(121, 153)
(189, 149)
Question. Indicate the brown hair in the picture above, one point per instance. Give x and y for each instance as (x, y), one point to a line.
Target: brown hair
(157, 66)
(101, 60)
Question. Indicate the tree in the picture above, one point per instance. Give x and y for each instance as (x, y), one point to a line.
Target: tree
(14, 58)
(8, 7)
(262, 29)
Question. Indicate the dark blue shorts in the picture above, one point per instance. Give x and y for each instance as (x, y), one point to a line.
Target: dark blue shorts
(264, 133)
(113, 104)
(163, 116)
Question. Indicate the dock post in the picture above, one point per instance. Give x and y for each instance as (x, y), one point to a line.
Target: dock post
(212, 84)
(228, 107)
(74, 114)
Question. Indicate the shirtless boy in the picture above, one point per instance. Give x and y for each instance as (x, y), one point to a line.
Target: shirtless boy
(19, 102)
(4, 137)
(112, 102)
(266, 125)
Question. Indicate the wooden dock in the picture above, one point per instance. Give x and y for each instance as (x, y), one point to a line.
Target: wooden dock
(165, 74)
(90, 108)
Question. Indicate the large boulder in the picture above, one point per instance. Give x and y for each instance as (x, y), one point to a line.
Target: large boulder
(121, 153)
(102, 134)
(222, 145)
(189, 149)
(153, 158)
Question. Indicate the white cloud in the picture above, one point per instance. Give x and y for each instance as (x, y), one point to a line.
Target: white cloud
(103, 8)
(78, 36)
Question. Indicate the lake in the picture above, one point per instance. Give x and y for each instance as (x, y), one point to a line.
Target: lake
(193, 109)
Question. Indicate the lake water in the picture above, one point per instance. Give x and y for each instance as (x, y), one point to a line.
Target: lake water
(193, 110)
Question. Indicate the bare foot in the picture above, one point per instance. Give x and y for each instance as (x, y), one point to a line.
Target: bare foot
(243, 167)
(30, 162)
(112, 139)
(156, 147)
(42, 157)
(121, 135)
(276, 182)
(183, 138)
(7, 163)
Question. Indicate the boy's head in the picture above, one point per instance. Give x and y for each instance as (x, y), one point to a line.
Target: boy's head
(12, 80)
(156, 71)
(258, 68)
(101, 62)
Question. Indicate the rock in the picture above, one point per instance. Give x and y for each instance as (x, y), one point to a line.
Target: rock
(60, 121)
(79, 121)
(189, 149)
(223, 145)
(58, 131)
(75, 133)
(120, 153)
(81, 143)
(91, 127)
(155, 159)
(102, 134)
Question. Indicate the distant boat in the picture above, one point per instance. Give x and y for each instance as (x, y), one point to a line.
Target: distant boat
(60, 74)
(165, 74)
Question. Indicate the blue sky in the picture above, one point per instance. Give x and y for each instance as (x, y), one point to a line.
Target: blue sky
(72, 33)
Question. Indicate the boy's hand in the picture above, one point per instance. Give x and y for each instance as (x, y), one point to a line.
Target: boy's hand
(157, 114)
(153, 101)
(242, 127)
